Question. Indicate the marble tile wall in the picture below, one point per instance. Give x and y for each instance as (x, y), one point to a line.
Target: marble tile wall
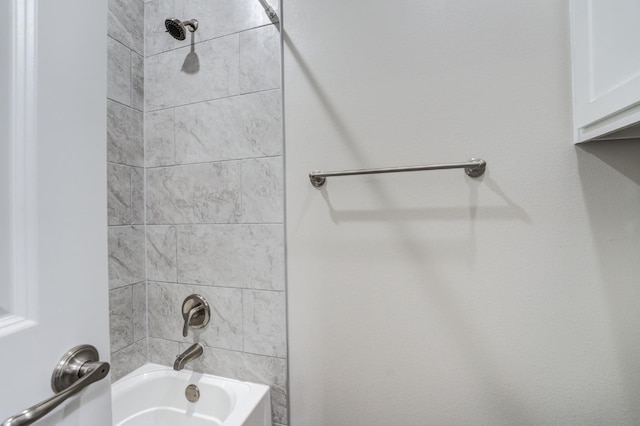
(125, 186)
(213, 157)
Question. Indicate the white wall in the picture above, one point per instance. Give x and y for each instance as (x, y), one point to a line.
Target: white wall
(431, 297)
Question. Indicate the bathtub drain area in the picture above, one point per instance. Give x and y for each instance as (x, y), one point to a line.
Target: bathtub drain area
(192, 393)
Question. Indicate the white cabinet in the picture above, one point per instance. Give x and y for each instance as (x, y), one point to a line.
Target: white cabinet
(605, 39)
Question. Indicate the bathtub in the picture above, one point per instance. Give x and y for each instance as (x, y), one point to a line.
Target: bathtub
(154, 395)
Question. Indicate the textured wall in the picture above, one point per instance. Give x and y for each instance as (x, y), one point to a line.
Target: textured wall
(431, 297)
(214, 189)
(125, 184)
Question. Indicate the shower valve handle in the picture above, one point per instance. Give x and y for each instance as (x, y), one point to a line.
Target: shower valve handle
(195, 312)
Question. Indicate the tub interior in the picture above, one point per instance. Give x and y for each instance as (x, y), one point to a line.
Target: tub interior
(165, 416)
(155, 396)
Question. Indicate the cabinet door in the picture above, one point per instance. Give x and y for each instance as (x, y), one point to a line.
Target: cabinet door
(606, 66)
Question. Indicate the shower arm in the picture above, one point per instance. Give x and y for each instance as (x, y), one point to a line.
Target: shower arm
(191, 24)
(270, 11)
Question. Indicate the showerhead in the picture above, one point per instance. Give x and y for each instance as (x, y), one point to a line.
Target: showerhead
(177, 28)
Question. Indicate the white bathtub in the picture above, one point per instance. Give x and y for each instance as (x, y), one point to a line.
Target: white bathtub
(154, 395)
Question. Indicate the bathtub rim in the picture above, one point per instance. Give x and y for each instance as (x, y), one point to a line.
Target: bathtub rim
(245, 405)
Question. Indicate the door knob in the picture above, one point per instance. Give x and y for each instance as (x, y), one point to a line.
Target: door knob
(77, 369)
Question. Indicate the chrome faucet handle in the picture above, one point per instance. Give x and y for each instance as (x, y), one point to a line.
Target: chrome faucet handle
(196, 313)
(193, 312)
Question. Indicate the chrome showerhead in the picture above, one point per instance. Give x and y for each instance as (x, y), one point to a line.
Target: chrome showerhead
(176, 28)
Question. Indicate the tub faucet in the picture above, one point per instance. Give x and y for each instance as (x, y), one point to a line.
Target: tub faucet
(194, 351)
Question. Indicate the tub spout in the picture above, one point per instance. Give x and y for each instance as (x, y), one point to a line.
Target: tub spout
(194, 351)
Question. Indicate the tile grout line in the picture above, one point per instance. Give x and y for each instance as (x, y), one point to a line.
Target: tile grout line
(124, 105)
(216, 286)
(230, 160)
(122, 44)
(220, 348)
(124, 285)
(175, 144)
(241, 196)
(210, 224)
(236, 95)
(114, 163)
(133, 326)
(177, 254)
(146, 253)
(208, 40)
(131, 77)
(144, 184)
(242, 323)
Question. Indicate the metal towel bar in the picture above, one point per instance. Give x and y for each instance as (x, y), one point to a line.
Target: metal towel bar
(475, 167)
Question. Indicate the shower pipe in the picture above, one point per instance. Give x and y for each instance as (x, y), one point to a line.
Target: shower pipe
(271, 13)
(475, 167)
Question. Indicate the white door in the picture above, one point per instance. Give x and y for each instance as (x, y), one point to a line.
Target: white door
(53, 241)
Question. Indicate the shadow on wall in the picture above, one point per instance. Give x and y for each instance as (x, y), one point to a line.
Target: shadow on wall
(508, 211)
(191, 64)
(610, 176)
